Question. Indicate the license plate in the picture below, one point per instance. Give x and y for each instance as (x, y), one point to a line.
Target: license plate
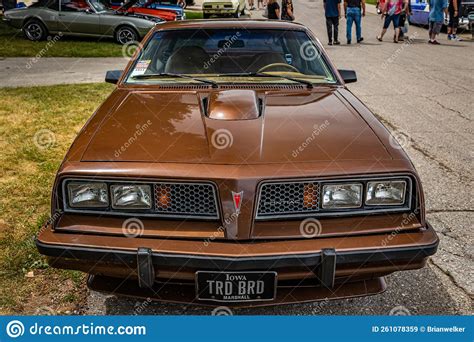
(235, 286)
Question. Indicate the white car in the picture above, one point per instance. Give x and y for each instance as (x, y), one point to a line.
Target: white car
(221, 8)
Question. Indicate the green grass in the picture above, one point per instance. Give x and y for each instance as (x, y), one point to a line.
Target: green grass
(372, 2)
(193, 14)
(27, 171)
(14, 44)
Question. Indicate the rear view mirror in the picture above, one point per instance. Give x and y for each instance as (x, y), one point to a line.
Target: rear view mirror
(349, 76)
(113, 76)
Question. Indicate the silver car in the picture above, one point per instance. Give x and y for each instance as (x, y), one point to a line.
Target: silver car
(79, 17)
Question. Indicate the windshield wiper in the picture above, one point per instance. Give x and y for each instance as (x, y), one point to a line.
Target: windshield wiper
(169, 74)
(308, 84)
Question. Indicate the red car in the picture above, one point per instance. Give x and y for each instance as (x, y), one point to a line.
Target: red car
(151, 7)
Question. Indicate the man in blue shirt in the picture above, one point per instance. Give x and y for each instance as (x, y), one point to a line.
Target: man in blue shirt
(437, 10)
(332, 10)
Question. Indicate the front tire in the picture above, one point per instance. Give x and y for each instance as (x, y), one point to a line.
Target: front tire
(237, 13)
(35, 30)
(206, 16)
(126, 34)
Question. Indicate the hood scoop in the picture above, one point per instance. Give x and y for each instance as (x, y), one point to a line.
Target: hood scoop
(233, 105)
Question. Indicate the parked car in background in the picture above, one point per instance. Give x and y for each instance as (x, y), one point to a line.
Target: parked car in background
(232, 166)
(167, 12)
(79, 18)
(421, 12)
(223, 8)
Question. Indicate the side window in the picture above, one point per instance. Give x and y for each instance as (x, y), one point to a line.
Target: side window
(74, 5)
(53, 5)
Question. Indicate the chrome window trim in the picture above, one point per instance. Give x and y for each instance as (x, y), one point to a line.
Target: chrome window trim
(372, 209)
(137, 212)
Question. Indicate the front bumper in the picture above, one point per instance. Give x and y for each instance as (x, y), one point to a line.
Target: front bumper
(308, 269)
(222, 11)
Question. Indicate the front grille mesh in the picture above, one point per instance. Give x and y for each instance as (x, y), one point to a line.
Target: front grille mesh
(286, 199)
(186, 200)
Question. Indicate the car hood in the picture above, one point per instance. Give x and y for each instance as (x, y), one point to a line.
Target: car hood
(231, 127)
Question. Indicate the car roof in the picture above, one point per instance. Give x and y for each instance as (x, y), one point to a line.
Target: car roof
(231, 24)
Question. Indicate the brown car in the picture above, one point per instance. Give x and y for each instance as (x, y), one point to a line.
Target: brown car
(232, 165)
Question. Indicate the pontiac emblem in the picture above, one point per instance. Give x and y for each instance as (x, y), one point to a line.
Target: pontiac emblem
(237, 198)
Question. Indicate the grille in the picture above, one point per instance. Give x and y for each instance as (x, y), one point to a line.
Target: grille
(288, 199)
(186, 200)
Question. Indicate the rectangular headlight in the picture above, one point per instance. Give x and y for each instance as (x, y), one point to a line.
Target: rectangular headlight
(338, 196)
(131, 196)
(87, 195)
(386, 192)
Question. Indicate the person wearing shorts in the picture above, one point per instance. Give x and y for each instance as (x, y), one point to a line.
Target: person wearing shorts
(437, 10)
(391, 14)
(453, 9)
(403, 19)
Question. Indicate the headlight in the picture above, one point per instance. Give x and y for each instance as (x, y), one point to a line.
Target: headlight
(386, 192)
(337, 196)
(131, 196)
(87, 195)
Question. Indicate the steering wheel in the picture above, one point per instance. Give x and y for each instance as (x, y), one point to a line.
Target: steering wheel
(273, 65)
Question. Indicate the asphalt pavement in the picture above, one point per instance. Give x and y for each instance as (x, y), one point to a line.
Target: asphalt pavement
(424, 95)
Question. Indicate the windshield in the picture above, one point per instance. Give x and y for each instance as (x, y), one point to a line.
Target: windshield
(98, 6)
(231, 55)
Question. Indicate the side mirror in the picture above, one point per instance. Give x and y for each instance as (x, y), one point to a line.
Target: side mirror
(113, 76)
(349, 76)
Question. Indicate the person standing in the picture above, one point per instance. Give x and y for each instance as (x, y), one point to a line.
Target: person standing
(354, 10)
(453, 9)
(332, 10)
(404, 20)
(437, 10)
(273, 9)
(391, 14)
(287, 10)
(251, 5)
